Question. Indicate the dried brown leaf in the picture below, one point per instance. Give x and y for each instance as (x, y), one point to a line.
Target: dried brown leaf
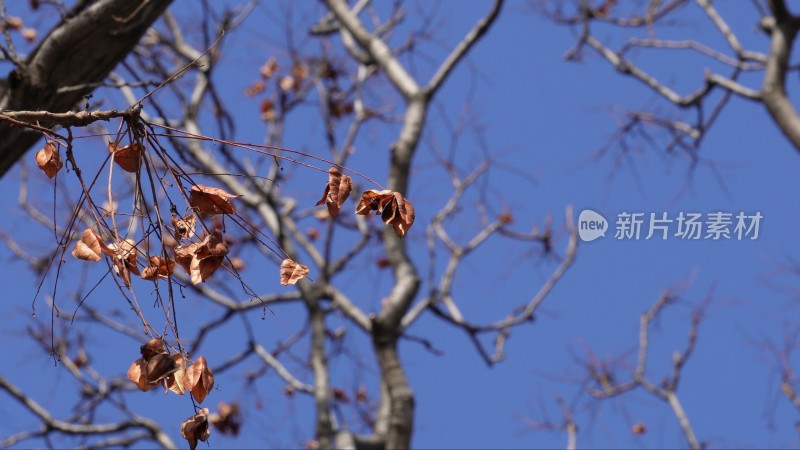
(394, 209)
(201, 260)
(137, 374)
(124, 259)
(184, 255)
(199, 379)
(158, 268)
(399, 212)
(201, 269)
(153, 347)
(49, 160)
(228, 419)
(128, 158)
(337, 190)
(291, 272)
(183, 228)
(175, 382)
(89, 247)
(372, 200)
(211, 200)
(159, 367)
(196, 428)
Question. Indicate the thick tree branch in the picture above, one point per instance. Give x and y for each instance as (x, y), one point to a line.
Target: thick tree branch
(82, 429)
(81, 50)
(783, 32)
(376, 47)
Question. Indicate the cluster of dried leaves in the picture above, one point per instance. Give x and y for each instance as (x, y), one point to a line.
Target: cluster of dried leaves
(394, 209)
(228, 421)
(200, 258)
(157, 366)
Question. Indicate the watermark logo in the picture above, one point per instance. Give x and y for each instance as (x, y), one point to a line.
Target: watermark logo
(717, 225)
(591, 225)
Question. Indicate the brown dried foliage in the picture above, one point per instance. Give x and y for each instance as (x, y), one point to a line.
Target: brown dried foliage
(49, 160)
(196, 428)
(128, 158)
(395, 210)
(291, 272)
(228, 419)
(337, 190)
(200, 260)
(211, 200)
(199, 379)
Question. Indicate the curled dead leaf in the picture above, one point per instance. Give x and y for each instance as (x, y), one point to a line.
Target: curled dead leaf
(399, 213)
(138, 374)
(159, 367)
(291, 272)
(124, 259)
(183, 228)
(200, 260)
(153, 347)
(196, 428)
(211, 200)
(49, 160)
(337, 190)
(158, 268)
(176, 381)
(394, 209)
(89, 247)
(128, 158)
(228, 419)
(372, 200)
(199, 379)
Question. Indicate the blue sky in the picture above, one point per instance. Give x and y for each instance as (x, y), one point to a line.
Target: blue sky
(545, 117)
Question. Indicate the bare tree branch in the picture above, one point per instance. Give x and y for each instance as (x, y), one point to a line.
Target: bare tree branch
(83, 49)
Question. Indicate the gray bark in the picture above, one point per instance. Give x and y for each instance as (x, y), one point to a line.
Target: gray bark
(76, 54)
(783, 28)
